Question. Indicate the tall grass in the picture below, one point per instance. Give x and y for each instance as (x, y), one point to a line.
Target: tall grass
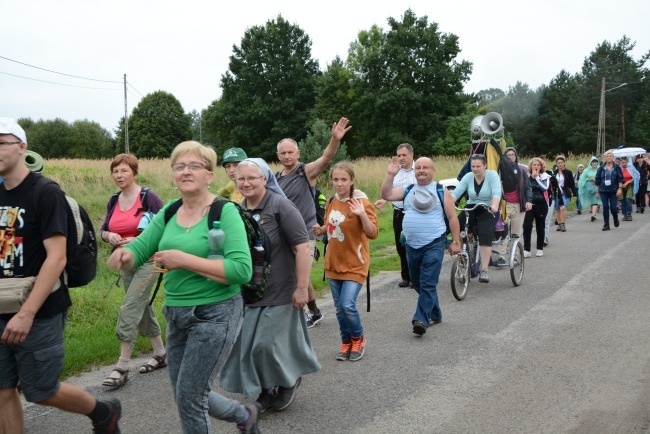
(90, 334)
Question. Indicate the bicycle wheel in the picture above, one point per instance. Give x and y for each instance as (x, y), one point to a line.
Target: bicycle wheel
(460, 276)
(516, 262)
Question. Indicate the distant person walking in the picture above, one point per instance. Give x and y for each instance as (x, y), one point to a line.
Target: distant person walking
(404, 178)
(539, 183)
(566, 189)
(609, 184)
(587, 188)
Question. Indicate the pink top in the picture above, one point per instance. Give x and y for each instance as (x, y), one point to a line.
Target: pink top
(126, 222)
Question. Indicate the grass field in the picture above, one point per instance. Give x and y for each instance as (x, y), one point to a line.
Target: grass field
(90, 333)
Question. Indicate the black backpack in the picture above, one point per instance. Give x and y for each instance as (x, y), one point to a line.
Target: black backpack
(81, 245)
(252, 293)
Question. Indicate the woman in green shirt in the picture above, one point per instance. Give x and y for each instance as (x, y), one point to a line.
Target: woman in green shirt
(203, 305)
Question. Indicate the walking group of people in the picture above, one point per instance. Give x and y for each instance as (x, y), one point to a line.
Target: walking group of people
(261, 350)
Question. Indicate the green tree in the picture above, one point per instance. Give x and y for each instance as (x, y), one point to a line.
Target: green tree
(157, 124)
(268, 90)
(335, 95)
(407, 83)
(90, 140)
(49, 138)
(519, 111)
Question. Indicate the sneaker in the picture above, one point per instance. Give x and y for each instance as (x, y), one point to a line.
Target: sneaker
(285, 396)
(419, 328)
(313, 318)
(434, 322)
(539, 253)
(545, 241)
(526, 254)
(358, 348)
(616, 223)
(563, 227)
(501, 262)
(559, 228)
(344, 354)
(250, 426)
(579, 212)
(109, 425)
(483, 277)
(606, 227)
(266, 399)
(593, 218)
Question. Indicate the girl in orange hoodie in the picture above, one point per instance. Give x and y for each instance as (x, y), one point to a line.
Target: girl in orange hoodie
(350, 221)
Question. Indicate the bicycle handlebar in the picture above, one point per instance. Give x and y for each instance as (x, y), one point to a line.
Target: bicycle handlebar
(472, 208)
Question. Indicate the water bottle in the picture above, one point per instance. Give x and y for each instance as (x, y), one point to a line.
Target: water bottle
(258, 263)
(216, 239)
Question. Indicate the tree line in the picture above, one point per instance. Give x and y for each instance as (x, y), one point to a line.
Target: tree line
(402, 84)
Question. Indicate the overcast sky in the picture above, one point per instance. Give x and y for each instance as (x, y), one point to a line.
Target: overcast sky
(183, 47)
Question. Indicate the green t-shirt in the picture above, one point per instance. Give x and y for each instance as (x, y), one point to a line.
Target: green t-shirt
(186, 288)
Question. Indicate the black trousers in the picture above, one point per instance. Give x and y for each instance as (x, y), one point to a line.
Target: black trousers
(640, 196)
(538, 214)
(398, 218)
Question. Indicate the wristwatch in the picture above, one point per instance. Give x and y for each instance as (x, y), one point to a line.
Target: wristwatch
(456, 242)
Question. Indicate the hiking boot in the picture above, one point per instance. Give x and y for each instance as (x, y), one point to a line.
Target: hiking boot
(344, 354)
(616, 223)
(266, 399)
(285, 396)
(434, 322)
(563, 227)
(313, 318)
(526, 254)
(606, 227)
(419, 328)
(404, 283)
(593, 218)
(250, 426)
(483, 277)
(629, 217)
(110, 424)
(358, 348)
(579, 212)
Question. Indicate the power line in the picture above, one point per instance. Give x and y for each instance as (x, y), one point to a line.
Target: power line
(135, 89)
(60, 84)
(60, 73)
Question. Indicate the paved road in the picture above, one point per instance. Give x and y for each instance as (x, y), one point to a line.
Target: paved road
(568, 351)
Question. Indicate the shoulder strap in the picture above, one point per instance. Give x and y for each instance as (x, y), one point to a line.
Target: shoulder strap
(113, 200)
(215, 211)
(143, 198)
(441, 194)
(407, 189)
(39, 185)
(172, 209)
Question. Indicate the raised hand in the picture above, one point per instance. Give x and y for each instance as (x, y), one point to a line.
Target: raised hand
(340, 128)
(356, 206)
(393, 166)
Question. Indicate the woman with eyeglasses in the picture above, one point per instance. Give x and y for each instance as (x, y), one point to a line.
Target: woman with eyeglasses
(273, 351)
(482, 186)
(203, 302)
(609, 184)
(124, 211)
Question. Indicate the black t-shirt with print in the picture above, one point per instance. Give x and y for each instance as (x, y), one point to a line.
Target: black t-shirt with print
(22, 231)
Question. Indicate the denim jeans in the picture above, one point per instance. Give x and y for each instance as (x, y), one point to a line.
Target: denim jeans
(345, 293)
(425, 264)
(626, 206)
(610, 204)
(199, 340)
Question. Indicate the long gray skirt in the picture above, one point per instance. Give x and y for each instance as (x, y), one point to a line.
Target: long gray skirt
(273, 349)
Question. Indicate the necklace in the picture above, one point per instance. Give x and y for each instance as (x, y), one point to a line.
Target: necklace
(192, 219)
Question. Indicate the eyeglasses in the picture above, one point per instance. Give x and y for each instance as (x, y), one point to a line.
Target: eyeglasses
(9, 143)
(194, 167)
(249, 179)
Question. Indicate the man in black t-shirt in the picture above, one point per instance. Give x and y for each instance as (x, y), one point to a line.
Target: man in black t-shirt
(33, 234)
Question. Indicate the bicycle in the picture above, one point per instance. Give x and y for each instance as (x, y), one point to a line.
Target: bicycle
(466, 264)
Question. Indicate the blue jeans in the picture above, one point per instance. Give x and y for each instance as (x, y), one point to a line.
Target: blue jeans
(345, 293)
(610, 204)
(626, 206)
(199, 340)
(424, 265)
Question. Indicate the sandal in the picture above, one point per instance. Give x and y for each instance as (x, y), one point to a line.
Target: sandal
(160, 362)
(116, 381)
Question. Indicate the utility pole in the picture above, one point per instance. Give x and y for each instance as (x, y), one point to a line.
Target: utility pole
(126, 121)
(600, 143)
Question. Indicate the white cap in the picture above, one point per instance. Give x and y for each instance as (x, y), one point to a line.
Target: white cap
(10, 126)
